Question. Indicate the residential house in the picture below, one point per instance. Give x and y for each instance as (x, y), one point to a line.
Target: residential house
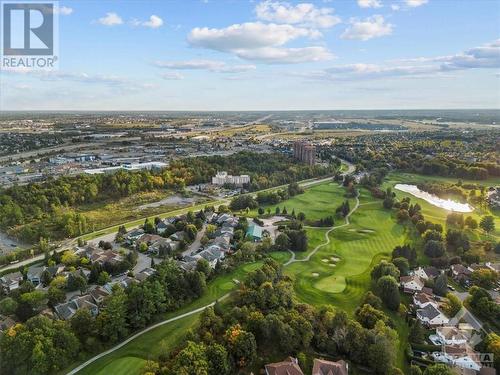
(427, 272)
(107, 256)
(148, 239)
(290, 366)
(11, 281)
(65, 311)
(161, 227)
(422, 299)
(34, 274)
(254, 231)
(133, 235)
(164, 246)
(55, 270)
(462, 356)
(145, 273)
(460, 273)
(322, 367)
(178, 236)
(451, 336)
(431, 316)
(6, 323)
(99, 293)
(411, 284)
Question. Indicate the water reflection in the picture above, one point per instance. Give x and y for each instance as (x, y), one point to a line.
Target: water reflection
(447, 204)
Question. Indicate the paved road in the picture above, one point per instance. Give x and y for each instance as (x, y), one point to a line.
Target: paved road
(123, 343)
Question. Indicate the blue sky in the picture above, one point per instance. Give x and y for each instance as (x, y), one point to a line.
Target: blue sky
(267, 55)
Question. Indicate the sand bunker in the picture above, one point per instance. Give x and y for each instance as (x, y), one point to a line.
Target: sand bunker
(334, 259)
(315, 274)
(324, 260)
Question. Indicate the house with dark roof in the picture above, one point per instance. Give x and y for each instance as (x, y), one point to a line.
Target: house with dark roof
(34, 274)
(289, 366)
(322, 367)
(66, 310)
(460, 273)
(161, 227)
(431, 316)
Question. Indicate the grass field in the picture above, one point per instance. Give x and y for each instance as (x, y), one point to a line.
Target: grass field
(316, 202)
(338, 273)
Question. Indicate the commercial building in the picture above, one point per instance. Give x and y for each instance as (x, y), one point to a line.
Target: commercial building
(305, 152)
(222, 178)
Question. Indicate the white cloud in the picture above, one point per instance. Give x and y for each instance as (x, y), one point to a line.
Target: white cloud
(210, 65)
(486, 56)
(260, 42)
(395, 7)
(369, 28)
(370, 3)
(111, 19)
(154, 22)
(276, 55)
(415, 3)
(172, 76)
(248, 35)
(64, 11)
(304, 14)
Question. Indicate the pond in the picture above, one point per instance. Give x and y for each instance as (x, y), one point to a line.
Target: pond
(446, 204)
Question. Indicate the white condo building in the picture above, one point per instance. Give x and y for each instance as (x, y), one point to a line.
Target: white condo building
(222, 178)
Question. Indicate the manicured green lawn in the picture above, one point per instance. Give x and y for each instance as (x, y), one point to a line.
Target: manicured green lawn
(316, 202)
(338, 273)
(123, 366)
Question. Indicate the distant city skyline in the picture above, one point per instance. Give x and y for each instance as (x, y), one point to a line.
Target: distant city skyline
(267, 55)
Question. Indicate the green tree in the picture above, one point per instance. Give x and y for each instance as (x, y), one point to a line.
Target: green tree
(218, 360)
(8, 306)
(368, 316)
(402, 265)
(487, 224)
(389, 292)
(204, 267)
(415, 370)
(282, 242)
(452, 305)
(191, 360)
(112, 319)
(441, 285)
(103, 278)
(384, 268)
(40, 346)
(439, 369)
(417, 332)
(83, 325)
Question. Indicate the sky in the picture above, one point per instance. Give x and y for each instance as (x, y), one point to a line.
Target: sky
(267, 55)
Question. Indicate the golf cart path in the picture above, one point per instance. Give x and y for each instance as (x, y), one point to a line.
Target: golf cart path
(327, 237)
(123, 343)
